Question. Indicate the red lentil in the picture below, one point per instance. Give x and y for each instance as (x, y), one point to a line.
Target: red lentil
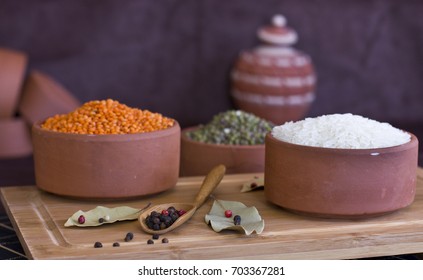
(107, 117)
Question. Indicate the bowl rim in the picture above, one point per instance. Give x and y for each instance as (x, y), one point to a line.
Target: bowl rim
(376, 151)
(37, 129)
(185, 138)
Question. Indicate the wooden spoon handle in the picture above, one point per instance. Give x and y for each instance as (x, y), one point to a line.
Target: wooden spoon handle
(209, 184)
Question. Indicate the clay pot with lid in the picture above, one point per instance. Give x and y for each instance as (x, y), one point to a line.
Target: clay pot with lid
(274, 81)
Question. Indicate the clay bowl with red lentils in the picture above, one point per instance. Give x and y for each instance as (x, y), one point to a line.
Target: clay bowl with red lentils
(105, 149)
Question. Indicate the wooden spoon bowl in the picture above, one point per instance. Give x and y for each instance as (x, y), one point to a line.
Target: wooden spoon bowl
(211, 181)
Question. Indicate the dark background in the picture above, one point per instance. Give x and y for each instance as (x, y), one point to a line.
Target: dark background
(174, 56)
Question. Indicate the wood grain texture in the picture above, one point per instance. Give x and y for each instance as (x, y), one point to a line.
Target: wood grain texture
(38, 218)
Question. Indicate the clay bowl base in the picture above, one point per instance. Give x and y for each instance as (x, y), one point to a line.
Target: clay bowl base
(106, 199)
(340, 217)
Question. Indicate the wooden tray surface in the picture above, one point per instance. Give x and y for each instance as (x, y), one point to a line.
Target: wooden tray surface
(39, 218)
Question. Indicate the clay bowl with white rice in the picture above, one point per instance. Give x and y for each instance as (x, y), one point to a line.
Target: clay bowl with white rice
(340, 166)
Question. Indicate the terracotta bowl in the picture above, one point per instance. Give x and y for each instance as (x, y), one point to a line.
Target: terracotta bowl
(15, 138)
(12, 71)
(43, 97)
(198, 158)
(340, 183)
(106, 166)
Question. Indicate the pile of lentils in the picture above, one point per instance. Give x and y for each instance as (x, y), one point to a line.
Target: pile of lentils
(233, 127)
(107, 117)
(163, 220)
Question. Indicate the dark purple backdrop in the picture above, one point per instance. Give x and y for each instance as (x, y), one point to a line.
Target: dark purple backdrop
(174, 56)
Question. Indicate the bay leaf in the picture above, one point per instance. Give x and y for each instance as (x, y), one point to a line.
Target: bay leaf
(109, 215)
(251, 220)
(256, 183)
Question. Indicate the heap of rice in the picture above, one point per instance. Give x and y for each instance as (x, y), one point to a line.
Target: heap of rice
(343, 131)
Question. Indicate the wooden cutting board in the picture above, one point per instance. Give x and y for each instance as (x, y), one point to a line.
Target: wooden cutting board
(39, 218)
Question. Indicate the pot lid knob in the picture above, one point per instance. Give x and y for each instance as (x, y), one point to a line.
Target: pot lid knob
(278, 33)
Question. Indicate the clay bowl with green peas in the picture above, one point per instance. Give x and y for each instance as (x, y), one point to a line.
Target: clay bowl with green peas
(197, 158)
(210, 182)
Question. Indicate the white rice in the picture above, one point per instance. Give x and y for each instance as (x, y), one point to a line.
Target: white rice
(343, 131)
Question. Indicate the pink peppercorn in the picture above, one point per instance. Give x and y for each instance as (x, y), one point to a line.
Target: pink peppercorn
(228, 213)
(81, 219)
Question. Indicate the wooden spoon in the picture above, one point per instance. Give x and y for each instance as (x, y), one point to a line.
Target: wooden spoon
(209, 184)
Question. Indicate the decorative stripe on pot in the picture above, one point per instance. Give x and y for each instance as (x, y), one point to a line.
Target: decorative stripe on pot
(289, 61)
(274, 81)
(298, 99)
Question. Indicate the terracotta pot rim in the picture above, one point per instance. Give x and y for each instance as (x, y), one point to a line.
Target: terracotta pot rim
(412, 143)
(36, 128)
(220, 146)
(63, 95)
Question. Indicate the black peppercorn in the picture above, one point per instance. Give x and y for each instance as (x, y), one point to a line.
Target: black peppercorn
(98, 245)
(237, 219)
(174, 216)
(168, 220)
(149, 241)
(155, 214)
(129, 236)
(165, 240)
(155, 236)
(116, 244)
(164, 219)
(171, 209)
(101, 220)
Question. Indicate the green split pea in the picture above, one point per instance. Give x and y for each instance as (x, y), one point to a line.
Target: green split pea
(233, 127)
